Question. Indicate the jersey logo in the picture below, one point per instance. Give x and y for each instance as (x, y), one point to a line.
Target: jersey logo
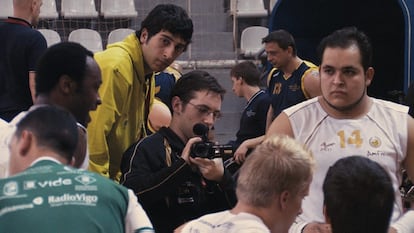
(85, 179)
(11, 188)
(294, 87)
(327, 146)
(277, 89)
(250, 113)
(375, 142)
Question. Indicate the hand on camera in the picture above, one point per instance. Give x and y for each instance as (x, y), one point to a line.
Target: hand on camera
(211, 169)
(187, 149)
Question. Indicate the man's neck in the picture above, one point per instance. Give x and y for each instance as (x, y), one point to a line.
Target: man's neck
(250, 91)
(23, 15)
(358, 110)
(263, 213)
(176, 129)
(292, 66)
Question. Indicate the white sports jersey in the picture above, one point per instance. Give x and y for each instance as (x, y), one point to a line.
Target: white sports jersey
(226, 222)
(380, 135)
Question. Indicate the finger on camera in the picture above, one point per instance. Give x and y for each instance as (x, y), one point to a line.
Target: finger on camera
(201, 161)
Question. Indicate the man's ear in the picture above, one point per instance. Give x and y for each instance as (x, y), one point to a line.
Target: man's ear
(144, 36)
(284, 199)
(25, 142)
(66, 84)
(369, 74)
(33, 5)
(290, 50)
(176, 104)
(72, 163)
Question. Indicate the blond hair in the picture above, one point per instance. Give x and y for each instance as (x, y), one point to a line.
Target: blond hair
(278, 164)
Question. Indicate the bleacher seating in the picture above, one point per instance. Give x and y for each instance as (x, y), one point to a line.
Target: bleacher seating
(79, 9)
(51, 36)
(89, 38)
(118, 34)
(118, 8)
(245, 9)
(272, 4)
(248, 8)
(48, 10)
(6, 9)
(251, 40)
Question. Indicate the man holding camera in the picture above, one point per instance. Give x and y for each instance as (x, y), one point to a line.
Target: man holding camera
(171, 182)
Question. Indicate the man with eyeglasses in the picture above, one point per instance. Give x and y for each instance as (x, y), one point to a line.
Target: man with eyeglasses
(172, 186)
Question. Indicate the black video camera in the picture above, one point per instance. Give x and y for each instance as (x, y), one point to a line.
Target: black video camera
(207, 149)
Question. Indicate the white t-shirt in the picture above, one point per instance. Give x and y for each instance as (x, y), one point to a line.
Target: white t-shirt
(5, 131)
(226, 222)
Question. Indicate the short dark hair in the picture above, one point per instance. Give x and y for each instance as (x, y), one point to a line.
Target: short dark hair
(283, 38)
(248, 71)
(65, 58)
(168, 17)
(196, 80)
(53, 127)
(358, 196)
(344, 38)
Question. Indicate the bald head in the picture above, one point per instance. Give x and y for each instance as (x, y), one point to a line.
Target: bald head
(21, 4)
(28, 10)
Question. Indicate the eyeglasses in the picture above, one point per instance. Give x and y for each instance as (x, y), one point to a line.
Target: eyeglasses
(205, 111)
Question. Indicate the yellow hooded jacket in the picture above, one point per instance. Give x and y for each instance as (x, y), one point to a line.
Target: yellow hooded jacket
(120, 120)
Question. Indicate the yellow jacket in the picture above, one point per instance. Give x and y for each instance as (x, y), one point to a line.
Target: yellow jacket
(120, 120)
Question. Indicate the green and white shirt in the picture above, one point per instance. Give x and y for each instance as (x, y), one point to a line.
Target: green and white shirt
(51, 197)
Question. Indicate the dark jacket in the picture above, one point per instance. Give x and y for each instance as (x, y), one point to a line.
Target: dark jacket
(171, 192)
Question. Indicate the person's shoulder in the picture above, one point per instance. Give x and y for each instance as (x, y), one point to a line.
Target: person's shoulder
(310, 64)
(150, 142)
(32, 37)
(390, 105)
(87, 178)
(114, 54)
(264, 97)
(153, 138)
(3, 123)
(307, 104)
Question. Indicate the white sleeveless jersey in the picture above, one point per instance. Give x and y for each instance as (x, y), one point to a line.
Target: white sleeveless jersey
(226, 222)
(380, 135)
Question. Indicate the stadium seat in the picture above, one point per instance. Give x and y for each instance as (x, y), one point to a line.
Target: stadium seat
(118, 34)
(248, 8)
(6, 9)
(48, 10)
(272, 4)
(118, 8)
(52, 37)
(79, 9)
(89, 38)
(251, 40)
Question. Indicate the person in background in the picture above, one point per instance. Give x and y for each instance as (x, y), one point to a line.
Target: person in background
(72, 85)
(128, 84)
(358, 196)
(160, 114)
(43, 186)
(246, 79)
(172, 186)
(270, 188)
(345, 121)
(20, 48)
(291, 81)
